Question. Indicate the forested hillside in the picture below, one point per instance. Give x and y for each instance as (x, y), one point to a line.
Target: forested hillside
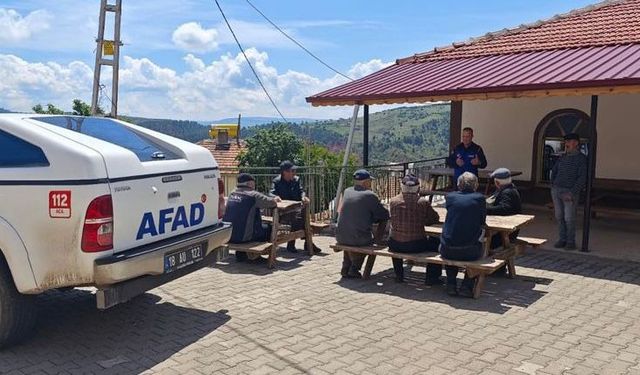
(395, 135)
(188, 130)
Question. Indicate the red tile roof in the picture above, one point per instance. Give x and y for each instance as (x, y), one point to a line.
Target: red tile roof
(225, 155)
(604, 24)
(595, 47)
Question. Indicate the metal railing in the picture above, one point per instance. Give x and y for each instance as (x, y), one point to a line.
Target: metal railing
(320, 182)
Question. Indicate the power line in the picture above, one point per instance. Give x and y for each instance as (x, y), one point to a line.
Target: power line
(249, 62)
(297, 43)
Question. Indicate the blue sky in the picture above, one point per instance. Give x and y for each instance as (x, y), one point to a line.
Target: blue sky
(179, 60)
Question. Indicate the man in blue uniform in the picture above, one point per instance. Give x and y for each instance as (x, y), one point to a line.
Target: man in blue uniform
(467, 156)
(243, 212)
(288, 186)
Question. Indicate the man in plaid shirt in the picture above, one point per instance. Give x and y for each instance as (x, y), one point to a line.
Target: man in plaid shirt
(409, 215)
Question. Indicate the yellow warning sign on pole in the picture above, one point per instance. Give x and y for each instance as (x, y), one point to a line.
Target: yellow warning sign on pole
(107, 48)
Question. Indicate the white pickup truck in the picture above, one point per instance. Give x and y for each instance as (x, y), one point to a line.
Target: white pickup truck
(88, 201)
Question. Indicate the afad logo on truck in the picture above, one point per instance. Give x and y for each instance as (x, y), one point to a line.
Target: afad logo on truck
(166, 217)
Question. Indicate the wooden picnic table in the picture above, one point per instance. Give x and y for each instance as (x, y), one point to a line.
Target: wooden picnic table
(504, 225)
(278, 235)
(436, 173)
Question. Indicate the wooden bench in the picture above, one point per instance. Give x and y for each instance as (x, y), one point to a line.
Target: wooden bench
(253, 248)
(478, 268)
(317, 227)
(280, 233)
(522, 242)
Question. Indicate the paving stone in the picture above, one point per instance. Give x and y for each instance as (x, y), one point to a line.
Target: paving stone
(564, 313)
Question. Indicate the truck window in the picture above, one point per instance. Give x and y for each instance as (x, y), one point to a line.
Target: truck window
(113, 132)
(16, 152)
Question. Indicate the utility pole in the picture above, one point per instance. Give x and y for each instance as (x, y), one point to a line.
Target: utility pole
(107, 48)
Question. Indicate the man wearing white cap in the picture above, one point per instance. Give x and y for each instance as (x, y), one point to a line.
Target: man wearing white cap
(410, 213)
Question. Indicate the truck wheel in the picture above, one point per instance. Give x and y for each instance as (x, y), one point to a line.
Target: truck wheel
(17, 311)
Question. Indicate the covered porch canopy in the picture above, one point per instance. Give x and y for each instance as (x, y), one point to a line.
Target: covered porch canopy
(588, 52)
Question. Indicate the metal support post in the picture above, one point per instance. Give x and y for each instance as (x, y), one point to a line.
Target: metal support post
(591, 173)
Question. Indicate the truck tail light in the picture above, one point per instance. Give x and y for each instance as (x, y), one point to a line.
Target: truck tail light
(221, 204)
(97, 233)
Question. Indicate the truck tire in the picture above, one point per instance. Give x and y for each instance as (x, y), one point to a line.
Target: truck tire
(17, 311)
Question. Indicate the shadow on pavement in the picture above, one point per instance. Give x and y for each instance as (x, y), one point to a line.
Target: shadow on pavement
(577, 263)
(285, 261)
(126, 339)
(499, 294)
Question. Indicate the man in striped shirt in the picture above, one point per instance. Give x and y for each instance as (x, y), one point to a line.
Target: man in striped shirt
(568, 178)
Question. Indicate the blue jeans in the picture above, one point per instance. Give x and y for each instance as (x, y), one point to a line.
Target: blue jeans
(566, 212)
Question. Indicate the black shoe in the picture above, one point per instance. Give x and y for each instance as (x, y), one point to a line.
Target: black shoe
(354, 275)
(433, 282)
(241, 256)
(399, 279)
(316, 249)
(466, 291)
(500, 272)
(559, 244)
(570, 246)
(452, 290)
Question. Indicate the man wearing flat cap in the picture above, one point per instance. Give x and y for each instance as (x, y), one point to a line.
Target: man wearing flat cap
(288, 186)
(243, 212)
(568, 178)
(410, 213)
(504, 202)
(359, 209)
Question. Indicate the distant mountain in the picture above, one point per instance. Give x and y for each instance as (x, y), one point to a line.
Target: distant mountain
(2, 110)
(253, 121)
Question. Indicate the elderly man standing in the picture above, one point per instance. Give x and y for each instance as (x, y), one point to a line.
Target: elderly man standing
(288, 186)
(359, 209)
(409, 215)
(466, 156)
(243, 212)
(568, 178)
(462, 230)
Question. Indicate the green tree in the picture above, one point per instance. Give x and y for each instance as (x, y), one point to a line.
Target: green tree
(81, 108)
(269, 147)
(51, 109)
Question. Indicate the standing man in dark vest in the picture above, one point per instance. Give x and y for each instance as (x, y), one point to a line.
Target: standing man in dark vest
(466, 156)
(288, 186)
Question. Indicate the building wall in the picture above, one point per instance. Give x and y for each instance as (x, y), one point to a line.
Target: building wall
(505, 129)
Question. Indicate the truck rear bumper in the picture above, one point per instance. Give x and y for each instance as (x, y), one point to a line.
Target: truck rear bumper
(150, 259)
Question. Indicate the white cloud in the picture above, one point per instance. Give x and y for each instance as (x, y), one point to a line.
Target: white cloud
(206, 90)
(362, 69)
(25, 84)
(16, 28)
(193, 38)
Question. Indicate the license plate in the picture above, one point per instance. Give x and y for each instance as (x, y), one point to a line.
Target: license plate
(182, 258)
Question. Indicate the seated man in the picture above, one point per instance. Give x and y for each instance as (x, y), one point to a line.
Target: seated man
(505, 202)
(243, 212)
(409, 215)
(462, 230)
(288, 186)
(359, 209)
